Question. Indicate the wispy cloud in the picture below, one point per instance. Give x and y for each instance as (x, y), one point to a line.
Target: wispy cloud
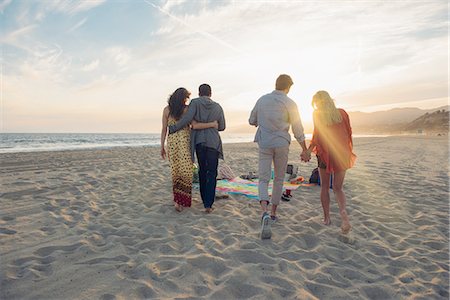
(16, 38)
(78, 25)
(14, 35)
(91, 66)
(84, 5)
(172, 3)
(120, 55)
(204, 33)
(74, 6)
(4, 4)
(47, 63)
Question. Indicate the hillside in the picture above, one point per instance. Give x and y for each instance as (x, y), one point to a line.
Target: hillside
(393, 121)
(437, 121)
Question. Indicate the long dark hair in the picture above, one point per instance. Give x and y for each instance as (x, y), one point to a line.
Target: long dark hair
(176, 102)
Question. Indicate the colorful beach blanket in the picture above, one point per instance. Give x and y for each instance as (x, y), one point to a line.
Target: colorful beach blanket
(249, 188)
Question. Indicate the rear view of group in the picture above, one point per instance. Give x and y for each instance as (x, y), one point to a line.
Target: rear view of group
(194, 129)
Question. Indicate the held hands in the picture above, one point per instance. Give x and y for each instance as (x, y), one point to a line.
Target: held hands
(305, 155)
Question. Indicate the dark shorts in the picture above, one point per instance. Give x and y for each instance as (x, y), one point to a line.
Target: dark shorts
(320, 163)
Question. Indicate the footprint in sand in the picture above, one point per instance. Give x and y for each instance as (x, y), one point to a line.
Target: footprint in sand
(7, 231)
(107, 297)
(46, 251)
(347, 239)
(43, 269)
(47, 230)
(103, 260)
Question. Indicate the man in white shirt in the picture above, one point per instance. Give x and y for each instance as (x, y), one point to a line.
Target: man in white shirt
(274, 114)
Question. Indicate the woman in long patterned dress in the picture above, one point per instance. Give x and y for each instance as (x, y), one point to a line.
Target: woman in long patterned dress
(178, 148)
(332, 142)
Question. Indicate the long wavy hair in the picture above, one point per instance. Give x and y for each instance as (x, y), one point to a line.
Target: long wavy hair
(325, 111)
(177, 102)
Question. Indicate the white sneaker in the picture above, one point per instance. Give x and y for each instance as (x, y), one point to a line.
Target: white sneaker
(266, 232)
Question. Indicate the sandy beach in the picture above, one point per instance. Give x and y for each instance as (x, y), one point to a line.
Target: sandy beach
(100, 224)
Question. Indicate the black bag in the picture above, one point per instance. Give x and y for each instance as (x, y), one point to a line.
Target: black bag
(315, 178)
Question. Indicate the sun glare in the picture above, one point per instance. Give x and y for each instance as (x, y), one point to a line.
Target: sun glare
(306, 112)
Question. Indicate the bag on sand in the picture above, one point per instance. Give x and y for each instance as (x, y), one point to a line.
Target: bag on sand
(315, 178)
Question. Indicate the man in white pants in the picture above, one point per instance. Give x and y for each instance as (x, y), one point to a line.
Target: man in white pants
(274, 114)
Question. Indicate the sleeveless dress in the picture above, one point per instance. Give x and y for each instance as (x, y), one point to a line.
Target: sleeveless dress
(179, 151)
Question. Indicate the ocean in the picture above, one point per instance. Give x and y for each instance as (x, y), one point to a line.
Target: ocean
(32, 142)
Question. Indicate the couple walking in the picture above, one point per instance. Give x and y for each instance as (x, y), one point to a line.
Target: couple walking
(274, 114)
(193, 129)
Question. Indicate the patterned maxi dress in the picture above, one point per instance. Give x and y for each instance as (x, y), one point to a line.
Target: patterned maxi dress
(181, 164)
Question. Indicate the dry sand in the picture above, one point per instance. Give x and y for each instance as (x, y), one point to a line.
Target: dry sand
(100, 224)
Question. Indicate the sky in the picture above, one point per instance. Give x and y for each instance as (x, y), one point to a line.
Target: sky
(109, 66)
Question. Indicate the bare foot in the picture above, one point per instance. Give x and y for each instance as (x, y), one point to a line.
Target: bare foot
(345, 225)
(178, 207)
(326, 222)
(209, 210)
(345, 228)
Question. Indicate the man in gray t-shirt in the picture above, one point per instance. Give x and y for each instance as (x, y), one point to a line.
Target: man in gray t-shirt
(274, 114)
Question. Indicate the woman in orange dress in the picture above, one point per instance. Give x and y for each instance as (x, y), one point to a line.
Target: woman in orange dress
(178, 147)
(332, 143)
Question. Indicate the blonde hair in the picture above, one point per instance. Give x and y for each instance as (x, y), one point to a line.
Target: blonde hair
(325, 110)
